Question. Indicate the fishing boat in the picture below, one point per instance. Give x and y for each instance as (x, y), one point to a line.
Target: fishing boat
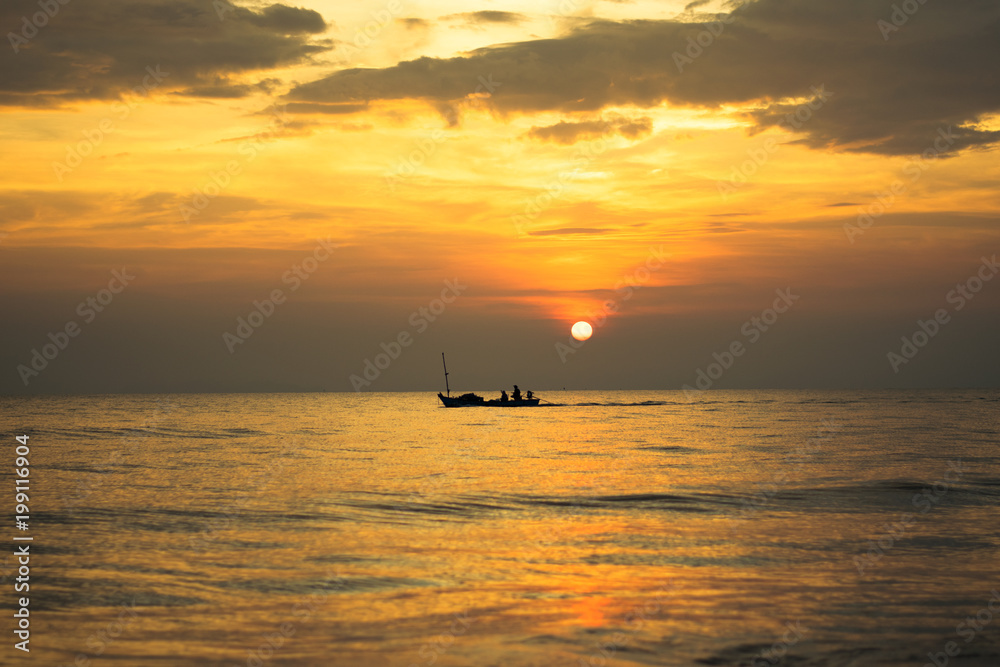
(474, 400)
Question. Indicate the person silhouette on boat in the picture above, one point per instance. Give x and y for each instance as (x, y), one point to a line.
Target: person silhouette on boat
(529, 395)
(517, 394)
(503, 396)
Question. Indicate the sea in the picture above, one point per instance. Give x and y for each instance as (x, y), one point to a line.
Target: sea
(602, 528)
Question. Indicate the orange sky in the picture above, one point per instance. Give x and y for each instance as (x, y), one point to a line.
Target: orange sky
(498, 147)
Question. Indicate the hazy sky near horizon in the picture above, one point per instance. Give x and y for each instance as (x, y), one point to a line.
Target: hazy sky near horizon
(475, 178)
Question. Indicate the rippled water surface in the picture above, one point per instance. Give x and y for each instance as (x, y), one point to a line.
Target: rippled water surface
(629, 528)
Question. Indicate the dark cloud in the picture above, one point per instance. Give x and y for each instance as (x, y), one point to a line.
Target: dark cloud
(695, 5)
(335, 109)
(571, 132)
(889, 96)
(100, 49)
(487, 16)
(414, 23)
(284, 19)
(276, 131)
(35, 207)
(225, 89)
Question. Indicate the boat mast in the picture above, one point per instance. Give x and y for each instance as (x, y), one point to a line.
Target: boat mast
(443, 363)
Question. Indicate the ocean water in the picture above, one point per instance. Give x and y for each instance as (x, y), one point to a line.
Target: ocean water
(604, 528)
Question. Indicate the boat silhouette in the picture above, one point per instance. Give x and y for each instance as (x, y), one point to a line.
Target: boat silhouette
(471, 400)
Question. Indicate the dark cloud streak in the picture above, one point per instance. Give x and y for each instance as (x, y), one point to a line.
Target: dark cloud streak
(571, 132)
(488, 16)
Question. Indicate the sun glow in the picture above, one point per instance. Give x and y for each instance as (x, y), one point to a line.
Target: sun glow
(582, 331)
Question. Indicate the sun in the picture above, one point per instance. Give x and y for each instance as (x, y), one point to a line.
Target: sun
(582, 331)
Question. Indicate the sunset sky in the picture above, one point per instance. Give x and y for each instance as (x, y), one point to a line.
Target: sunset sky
(530, 163)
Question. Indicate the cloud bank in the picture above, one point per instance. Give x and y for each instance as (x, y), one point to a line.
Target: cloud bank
(892, 89)
(99, 49)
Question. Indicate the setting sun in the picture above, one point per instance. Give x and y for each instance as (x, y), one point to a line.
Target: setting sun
(582, 331)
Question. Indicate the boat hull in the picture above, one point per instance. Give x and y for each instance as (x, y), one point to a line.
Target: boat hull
(461, 402)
